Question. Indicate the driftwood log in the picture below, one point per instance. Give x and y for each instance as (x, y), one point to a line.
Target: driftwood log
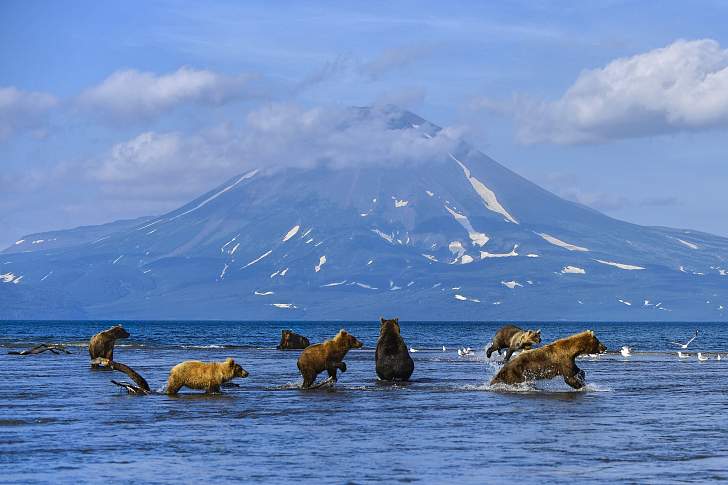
(39, 349)
(141, 388)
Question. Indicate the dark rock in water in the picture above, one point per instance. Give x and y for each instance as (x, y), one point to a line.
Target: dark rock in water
(393, 361)
(292, 341)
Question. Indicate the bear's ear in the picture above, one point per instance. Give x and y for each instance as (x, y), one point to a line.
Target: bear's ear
(229, 362)
(538, 332)
(381, 319)
(396, 320)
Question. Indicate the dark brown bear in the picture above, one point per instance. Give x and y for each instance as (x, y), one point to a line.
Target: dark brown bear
(392, 358)
(513, 338)
(102, 344)
(554, 359)
(292, 341)
(326, 356)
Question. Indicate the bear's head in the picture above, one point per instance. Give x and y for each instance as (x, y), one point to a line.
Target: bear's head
(594, 346)
(235, 369)
(532, 337)
(389, 325)
(117, 331)
(347, 340)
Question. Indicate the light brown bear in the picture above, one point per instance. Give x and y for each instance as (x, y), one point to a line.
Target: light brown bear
(102, 344)
(326, 356)
(554, 359)
(513, 338)
(207, 376)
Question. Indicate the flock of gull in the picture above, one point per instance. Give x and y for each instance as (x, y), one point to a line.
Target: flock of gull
(627, 351)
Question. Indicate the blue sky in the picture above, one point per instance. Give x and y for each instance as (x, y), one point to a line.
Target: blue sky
(115, 110)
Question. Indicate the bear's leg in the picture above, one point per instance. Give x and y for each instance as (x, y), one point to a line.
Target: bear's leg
(489, 351)
(341, 366)
(308, 379)
(173, 389)
(574, 376)
(508, 354)
(331, 369)
(213, 389)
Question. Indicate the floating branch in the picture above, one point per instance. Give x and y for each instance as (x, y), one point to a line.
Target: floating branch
(141, 387)
(39, 349)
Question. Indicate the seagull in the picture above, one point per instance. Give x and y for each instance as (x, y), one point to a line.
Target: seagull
(682, 356)
(444, 349)
(718, 358)
(465, 351)
(701, 358)
(626, 351)
(412, 349)
(685, 345)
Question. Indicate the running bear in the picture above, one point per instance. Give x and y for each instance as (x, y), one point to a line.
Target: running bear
(102, 344)
(292, 341)
(207, 376)
(393, 361)
(513, 338)
(554, 359)
(326, 356)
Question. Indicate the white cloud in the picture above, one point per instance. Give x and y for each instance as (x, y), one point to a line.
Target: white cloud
(155, 165)
(131, 94)
(681, 87)
(22, 109)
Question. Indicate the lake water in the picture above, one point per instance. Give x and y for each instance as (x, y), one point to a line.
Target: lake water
(648, 418)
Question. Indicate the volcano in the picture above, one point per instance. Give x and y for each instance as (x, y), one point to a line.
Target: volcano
(459, 237)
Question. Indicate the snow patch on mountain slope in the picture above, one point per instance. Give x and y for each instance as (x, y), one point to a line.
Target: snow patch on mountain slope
(284, 305)
(562, 244)
(291, 233)
(217, 194)
(257, 259)
(9, 277)
(511, 284)
(488, 196)
(400, 203)
(465, 298)
(478, 238)
(322, 261)
(263, 293)
(572, 270)
(688, 244)
(486, 254)
(387, 237)
(430, 257)
(619, 265)
(335, 283)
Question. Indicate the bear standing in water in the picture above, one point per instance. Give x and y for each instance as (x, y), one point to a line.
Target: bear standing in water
(327, 356)
(292, 341)
(102, 344)
(393, 361)
(555, 359)
(513, 338)
(207, 376)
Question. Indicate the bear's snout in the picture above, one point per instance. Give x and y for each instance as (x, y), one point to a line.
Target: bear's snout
(243, 373)
(602, 348)
(357, 344)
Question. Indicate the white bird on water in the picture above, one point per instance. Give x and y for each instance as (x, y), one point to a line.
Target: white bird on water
(626, 351)
(465, 351)
(701, 357)
(718, 358)
(412, 349)
(685, 345)
(444, 349)
(682, 356)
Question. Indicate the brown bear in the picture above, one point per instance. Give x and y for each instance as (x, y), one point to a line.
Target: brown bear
(208, 376)
(392, 358)
(513, 338)
(554, 359)
(102, 344)
(292, 341)
(326, 356)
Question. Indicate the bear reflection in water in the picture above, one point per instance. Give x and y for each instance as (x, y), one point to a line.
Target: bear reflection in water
(554, 359)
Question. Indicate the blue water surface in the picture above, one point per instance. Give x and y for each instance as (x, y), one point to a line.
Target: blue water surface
(648, 418)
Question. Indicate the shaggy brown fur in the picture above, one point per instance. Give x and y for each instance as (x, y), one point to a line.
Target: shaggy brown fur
(513, 338)
(554, 359)
(102, 344)
(392, 359)
(291, 341)
(326, 356)
(207, 376)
